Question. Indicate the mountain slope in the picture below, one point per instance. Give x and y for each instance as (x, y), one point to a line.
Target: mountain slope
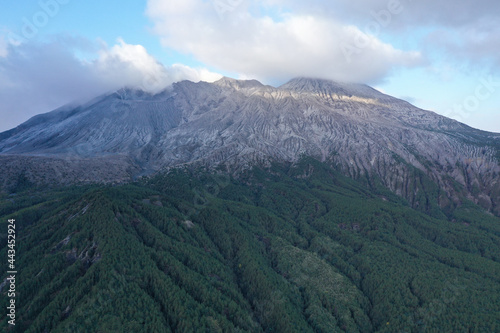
(238, 124)
(298, 249)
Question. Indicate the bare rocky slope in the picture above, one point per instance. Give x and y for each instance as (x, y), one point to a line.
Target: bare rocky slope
(237, 124)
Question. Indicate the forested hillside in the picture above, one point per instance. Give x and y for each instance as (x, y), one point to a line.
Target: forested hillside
(290, 248)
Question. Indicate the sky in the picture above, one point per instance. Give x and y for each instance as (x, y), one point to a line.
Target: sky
(442, 56)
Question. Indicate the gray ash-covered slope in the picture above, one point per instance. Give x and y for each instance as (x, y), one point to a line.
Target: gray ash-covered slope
(239, 123)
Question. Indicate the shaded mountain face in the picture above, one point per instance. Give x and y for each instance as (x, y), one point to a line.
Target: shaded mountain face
(237, 124)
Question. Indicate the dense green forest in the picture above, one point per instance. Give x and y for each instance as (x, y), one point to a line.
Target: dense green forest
(290, 248)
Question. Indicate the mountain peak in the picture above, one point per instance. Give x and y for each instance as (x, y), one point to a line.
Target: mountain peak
(324, 86)
(137, 94)
(238, 84)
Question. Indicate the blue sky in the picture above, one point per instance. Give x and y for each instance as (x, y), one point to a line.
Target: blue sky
(441, 56)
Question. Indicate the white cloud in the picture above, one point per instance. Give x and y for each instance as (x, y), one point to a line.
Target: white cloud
(475, 44)
(3, 47)
(461, 30)
(131, 65)
(36, 78)
(447, 13)
(274, 47)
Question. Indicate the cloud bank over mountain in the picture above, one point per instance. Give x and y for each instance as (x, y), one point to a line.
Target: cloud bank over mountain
(274, 46)
(43, 76)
